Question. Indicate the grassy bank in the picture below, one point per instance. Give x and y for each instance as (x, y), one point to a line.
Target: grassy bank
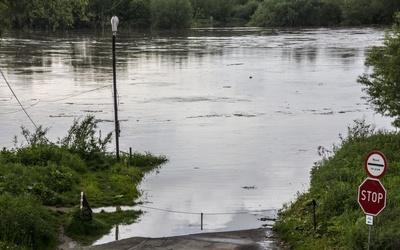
(340, 222)
(42, 174)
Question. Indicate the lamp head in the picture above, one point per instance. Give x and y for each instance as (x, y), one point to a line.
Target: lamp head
(114, 24)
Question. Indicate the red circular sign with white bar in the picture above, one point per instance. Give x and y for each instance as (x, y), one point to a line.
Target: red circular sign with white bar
(375, 164)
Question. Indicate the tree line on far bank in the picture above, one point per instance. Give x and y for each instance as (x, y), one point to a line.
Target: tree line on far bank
(176, 14)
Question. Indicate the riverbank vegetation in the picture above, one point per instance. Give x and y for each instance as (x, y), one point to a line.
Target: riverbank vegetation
(178, 14)
(42, 174)
(339, 222)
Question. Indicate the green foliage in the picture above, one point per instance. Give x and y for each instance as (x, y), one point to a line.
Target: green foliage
(361, 12)
(324, 12)
(140, 13)
(4, 13)
(42, 173)
(145, 162)
(48, 14)
(246, 10)
(41, 155)
(334, 185)
(82, 140)
(26, 223)
(383, 84)
(124, 179)
(295, 223)
(220, 10)
(48, 182)
(295, 13)
(171, 14)
(36, 138)
(357, 12)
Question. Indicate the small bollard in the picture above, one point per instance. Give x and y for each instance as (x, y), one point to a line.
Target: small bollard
(201, 223)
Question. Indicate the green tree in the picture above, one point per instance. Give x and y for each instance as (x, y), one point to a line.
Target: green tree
(382, 11)
(140, 13)
(171, 14)
(296, 13)
(357, 12)
(4, 16)
(246, 10)
(383, 84)
(49, 14)
(219, 9)
(100, 12)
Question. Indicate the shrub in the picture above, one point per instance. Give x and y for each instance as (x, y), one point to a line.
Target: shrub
(25, 222)
(82, 140)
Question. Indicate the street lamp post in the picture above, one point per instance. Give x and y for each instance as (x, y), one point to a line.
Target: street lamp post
(114, 26)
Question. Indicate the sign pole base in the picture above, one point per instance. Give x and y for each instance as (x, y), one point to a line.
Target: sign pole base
(369, 236)
(369, 219)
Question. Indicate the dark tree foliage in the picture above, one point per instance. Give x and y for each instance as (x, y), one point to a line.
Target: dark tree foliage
(324, 12)
(296, 13)
(140, 13)
(4, 12)
(49, 14)
(171, 14)
(220, 10)
(245, 10)
(383, 84)
(66, 14)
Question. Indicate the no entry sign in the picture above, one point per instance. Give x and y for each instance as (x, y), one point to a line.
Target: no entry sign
(375, 164)
(372, 196)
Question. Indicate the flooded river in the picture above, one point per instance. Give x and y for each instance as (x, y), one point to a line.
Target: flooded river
(239, 112)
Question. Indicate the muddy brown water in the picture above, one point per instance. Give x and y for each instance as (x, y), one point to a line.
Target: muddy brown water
(239, 112)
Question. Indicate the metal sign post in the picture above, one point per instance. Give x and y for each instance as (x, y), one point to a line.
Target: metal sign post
(369, 220)
(114, 27)
(371, 193)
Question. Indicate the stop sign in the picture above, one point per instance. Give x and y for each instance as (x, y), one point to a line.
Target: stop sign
(372, 196)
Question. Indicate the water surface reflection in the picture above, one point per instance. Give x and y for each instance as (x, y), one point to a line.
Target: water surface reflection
(231, 108)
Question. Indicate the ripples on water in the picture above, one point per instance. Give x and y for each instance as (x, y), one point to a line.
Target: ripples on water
(240, 112)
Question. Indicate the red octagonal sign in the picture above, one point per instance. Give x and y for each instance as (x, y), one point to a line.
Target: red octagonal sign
(372, 196)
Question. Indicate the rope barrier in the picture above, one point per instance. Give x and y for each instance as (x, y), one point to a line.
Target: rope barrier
(193, 213)
(75, 95)
(20, 104)
(210, 214)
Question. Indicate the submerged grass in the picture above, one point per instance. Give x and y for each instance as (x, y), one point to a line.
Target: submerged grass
(340, 222)
(86, 232)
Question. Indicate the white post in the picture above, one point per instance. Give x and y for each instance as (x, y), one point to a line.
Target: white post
(81, 201)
